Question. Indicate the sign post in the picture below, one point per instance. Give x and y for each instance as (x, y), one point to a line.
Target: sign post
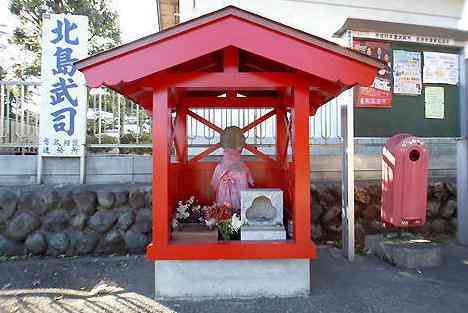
(62, 127)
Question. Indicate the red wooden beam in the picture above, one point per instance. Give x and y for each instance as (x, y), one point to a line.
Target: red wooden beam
(258, 121)
(252, 80)
(281, 135)
(258, 153)
(233, 250)
(205, 122)
(301, 164)
(161, 129)
(205, 153)
(231, 59)
(181, 135)
(240, 102)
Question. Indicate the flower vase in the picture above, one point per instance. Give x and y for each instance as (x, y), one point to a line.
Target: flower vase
(194, 232)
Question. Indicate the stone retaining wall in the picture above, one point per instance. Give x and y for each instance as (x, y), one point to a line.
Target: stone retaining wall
(116, 219)
(326, 210)
(75, 220)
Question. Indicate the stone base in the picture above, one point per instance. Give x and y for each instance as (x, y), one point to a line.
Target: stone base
(251, 232)
(231, 278)
(410, 252)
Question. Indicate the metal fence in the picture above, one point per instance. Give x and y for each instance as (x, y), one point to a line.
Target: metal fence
(114, 121)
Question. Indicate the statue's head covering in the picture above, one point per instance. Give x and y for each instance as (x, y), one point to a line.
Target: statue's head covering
(232, 138)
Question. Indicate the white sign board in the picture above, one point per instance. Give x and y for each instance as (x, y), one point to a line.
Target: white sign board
(407, 72)
(62, 128)
(434, 102)
(440, 68)
(431, 40)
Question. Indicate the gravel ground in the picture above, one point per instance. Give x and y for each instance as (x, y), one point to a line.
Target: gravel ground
(125, 284)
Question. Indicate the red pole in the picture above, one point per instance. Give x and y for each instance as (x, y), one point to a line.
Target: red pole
(301, 164)
(161, 129)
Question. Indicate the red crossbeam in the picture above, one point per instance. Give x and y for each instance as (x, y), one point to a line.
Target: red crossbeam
(258, 121)
(205, 153)
(258, 153)
(205, 122)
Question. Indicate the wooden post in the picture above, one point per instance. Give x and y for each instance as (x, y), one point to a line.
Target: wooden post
(181, 135)
(161, 131)
(281, 134)
(301, 164)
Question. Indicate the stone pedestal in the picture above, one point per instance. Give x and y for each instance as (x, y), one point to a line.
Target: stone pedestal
(405, 251)
(232, 279)
(262, 214)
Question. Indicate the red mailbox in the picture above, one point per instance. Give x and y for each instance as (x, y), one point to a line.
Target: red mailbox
(404, 181)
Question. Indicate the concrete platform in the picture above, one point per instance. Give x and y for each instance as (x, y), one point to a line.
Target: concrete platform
(405, 250)
(231, 279)
(259, 232)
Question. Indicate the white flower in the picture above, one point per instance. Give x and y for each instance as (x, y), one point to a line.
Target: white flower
(236, 222)
(211, 223)
(175, 224)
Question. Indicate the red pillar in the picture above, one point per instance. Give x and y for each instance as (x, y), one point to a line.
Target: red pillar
(301, 164)
(161, 132)
(181, 134)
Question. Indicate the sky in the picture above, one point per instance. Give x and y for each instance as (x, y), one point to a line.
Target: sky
(135, 21)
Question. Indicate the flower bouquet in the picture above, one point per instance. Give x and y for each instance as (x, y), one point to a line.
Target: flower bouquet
(222, 217)
(188, 223)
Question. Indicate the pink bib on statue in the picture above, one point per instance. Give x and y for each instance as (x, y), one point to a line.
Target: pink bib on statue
(229, 178)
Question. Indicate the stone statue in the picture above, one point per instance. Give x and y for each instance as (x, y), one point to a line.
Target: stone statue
(231, 175)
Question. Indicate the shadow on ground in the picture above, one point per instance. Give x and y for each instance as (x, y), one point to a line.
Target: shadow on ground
(125, 284)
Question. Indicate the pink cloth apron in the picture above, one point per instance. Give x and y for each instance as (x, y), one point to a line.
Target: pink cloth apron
(229, 178)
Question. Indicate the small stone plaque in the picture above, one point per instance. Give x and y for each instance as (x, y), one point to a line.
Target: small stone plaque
(262, 206)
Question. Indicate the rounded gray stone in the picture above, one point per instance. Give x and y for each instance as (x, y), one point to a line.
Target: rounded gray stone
(136, 199)
(149, 199)
(56, 220)
(86, 201)
(112, 242)
(143, 221)
(9, 247)
(21, 225)
(126, 220)
(79, 221)
(8, 201)
(102, 221)
(58, 243)
(83, 242)
(106, 199)
(65, 200)
(135, 241)
(121, 198)
(36, 243)
(34, 202)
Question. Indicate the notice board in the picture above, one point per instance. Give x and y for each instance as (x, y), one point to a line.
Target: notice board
(408, 113)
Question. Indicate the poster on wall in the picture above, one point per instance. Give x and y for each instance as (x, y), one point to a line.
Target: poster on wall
(379, 95)
(62, 126)
(440, 68)
(434, 102)
(407, 72)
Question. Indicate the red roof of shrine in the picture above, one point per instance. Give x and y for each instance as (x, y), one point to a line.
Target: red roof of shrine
(197, 46)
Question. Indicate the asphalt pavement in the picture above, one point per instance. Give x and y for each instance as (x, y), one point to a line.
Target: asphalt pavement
(125, 284)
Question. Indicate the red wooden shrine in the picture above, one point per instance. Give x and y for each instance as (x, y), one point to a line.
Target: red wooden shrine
(230, 58)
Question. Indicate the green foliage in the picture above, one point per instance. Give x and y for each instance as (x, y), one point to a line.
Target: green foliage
(227, 232)
(104, 32)
(2, 73)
